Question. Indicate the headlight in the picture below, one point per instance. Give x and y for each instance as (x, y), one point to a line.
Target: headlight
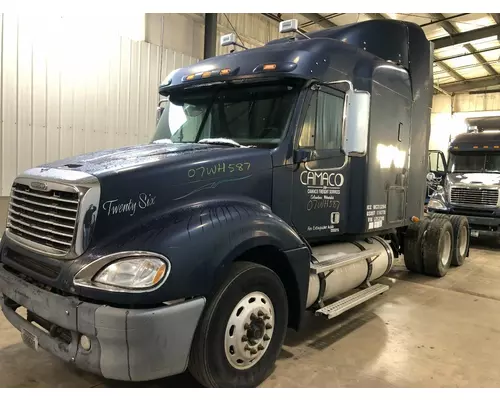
(436, 204)
(133, 273)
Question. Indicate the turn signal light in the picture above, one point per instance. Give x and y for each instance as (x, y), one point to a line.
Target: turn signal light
(269, 67)
(415, 219)
(159, 275)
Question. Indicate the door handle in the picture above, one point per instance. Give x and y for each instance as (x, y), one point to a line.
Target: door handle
(400, 133)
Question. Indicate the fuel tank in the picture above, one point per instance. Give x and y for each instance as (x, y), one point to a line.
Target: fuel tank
(342, 279)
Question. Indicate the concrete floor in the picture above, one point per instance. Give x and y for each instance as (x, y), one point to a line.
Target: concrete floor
(424, 332)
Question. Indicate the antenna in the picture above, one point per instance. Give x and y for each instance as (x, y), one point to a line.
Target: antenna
(291, 25)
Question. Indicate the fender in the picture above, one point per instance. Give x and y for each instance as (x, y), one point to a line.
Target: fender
(199, 239)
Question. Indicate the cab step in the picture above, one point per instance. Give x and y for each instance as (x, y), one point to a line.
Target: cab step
(343, 260)
(337, 308)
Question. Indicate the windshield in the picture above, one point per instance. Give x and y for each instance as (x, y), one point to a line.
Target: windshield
(474, 162)
(252, 115)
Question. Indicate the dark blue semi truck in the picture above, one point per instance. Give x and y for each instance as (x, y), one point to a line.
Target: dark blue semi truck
(280, 180)
(471, 185)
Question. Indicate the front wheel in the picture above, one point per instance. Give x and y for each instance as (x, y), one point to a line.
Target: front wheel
(242, 330)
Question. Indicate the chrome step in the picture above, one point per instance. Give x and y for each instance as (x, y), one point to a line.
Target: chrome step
(343, 260)
(337, 308)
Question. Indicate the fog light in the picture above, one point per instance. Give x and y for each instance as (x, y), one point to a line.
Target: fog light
(85, 343)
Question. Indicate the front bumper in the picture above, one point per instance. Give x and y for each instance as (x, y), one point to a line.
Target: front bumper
(126, 344)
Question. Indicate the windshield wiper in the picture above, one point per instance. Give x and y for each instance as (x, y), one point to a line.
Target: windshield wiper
(221, 141)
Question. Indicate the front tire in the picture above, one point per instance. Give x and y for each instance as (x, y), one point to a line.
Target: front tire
(242, 330)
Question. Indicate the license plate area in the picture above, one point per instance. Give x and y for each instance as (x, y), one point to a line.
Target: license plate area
(474, 233)
(29, 339)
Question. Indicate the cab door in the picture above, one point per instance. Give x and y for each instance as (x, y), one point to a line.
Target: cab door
(437, 166)
(319, 184)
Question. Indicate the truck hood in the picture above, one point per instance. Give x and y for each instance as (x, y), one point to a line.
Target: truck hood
(114, 161)
(479, 179)
(145, 182)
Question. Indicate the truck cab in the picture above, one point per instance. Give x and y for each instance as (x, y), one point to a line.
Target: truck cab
(472, 183)
(280, 180)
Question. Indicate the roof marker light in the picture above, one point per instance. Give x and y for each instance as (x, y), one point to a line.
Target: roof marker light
(269, 67)
(206, 74)
(475, 147)
(225, 71)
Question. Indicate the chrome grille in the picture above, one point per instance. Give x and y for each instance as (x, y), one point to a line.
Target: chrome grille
(474, 196)
(46, 218)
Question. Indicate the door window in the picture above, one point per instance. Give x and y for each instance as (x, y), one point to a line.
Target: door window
(322, 129)
(436, 162)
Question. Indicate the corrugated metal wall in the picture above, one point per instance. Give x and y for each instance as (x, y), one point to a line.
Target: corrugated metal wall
(63, 93)
(184, 32)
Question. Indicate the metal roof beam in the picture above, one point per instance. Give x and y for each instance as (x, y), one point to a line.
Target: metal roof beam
(443, 19)
(467, 54)
(465, 37)
(496, 17)
(319, 19)
(450, 71)
(451, 30)
(468, 85)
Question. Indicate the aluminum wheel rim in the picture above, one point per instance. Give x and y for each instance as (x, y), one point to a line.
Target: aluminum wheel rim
(446, 252)
(462, 240)
(249, 330)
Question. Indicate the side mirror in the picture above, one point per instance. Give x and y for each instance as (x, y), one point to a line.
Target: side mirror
(357, 120)
(302, 155)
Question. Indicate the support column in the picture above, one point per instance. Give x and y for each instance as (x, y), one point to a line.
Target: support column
(210, 35)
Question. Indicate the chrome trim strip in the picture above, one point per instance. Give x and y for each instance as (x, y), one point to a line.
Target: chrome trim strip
(389, 251)
(40, 236)
(11, 218)
(46, 197)
(43, 213)
(11, 210)
(44, 205)
(346, 160)
(84, 277)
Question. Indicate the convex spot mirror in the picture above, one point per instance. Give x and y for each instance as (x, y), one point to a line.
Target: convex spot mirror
(357, 119)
